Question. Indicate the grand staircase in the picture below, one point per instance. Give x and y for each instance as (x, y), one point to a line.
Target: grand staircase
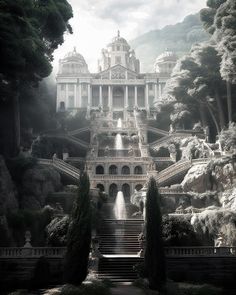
(119, 245)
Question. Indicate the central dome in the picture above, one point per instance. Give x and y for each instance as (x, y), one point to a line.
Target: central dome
(119, 41)
(73, 63)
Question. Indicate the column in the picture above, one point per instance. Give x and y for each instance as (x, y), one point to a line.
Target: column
(109, 97)
(80, 96)
(135, 96)
(126, 96)
(100, 95)
(159, 90)
(66, 102)
(75, 96)
(89, 95)
(146, 96)
(155, 93)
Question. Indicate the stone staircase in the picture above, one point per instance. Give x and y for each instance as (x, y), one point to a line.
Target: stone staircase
(119, 245)
(118, 269)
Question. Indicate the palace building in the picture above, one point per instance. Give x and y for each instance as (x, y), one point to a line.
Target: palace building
(118, 86)
(118, 99)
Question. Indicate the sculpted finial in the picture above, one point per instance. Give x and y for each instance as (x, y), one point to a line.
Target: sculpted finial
(118, 33)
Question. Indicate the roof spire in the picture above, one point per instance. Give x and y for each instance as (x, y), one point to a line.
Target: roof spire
(74, 48)
(118, 33)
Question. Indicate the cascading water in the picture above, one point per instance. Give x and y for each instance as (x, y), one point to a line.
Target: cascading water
(118, 142)
(119, 207)
(119, 123)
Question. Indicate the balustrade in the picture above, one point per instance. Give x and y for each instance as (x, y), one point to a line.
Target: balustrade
(59, 252)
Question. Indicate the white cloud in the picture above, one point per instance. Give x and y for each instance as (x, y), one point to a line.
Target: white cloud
(95, 22)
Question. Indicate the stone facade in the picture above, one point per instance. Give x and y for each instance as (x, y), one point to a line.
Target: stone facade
(118, 86)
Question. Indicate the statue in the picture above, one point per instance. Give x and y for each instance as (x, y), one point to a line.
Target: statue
(106, 152)
(131, 151)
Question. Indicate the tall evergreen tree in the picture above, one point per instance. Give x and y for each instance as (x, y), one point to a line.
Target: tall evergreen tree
(79, 236)
(154, 259)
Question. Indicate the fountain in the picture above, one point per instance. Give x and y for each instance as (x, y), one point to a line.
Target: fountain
(118, 142)
(119, 123)
(119, 207)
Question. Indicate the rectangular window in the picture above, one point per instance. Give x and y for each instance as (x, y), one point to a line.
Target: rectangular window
(63, 87)
(118, 59)
(118, 48)
(150, 86)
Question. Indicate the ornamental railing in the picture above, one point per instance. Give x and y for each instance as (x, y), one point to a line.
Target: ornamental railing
(62, 166)
(59, 252)
(116, 177)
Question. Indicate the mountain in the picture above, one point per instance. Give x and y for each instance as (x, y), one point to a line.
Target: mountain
(178, 38)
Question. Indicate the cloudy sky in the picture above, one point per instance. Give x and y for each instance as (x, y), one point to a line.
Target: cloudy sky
(95, 22)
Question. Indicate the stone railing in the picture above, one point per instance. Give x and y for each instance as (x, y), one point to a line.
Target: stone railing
(119, 153)
(33, 252)
(70, 138)
(114, 159)
(62, 166)
(199, 251)
(173, 170)
(78, 131)
(59, 252)
(157, 143)
(178, 168)
(157, 130)
(171, 191)
(162, 159)
(116, 177)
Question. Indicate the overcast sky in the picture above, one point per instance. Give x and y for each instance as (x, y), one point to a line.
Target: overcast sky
(95, 22)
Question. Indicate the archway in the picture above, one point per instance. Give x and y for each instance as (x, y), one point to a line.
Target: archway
(113, 169)
(118, 97)
(99, 169)
(138, 170)
(126, 192)
(113, 191)
(125, 170)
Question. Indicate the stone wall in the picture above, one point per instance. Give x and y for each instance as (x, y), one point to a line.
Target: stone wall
(214, 270)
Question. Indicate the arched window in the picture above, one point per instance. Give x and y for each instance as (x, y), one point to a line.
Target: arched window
(126, 191)
(99, 169)
(138, 170)
(113, 191)
(125, 170)
(113, 169)
(100, 187)
(138, 187)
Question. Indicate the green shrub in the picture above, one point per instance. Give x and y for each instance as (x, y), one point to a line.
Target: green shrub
(205, 289)
(93, 288)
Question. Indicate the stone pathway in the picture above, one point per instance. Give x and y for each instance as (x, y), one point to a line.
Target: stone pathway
(126, 290)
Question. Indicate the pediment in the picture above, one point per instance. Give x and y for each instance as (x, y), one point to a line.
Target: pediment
(118, 72)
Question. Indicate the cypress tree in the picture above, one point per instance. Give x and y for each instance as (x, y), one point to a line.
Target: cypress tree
(154, 258)
(79, 236)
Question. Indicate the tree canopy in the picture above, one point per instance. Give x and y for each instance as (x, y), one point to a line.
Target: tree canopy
(30, 31)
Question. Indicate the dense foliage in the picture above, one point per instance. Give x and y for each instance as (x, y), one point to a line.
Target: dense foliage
(154, 259)
(203, 81)
(79, 236)
(29, 33)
